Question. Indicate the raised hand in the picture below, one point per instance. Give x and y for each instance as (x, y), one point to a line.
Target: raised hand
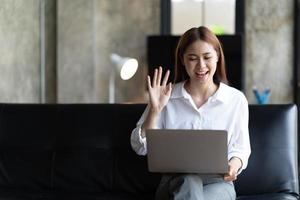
(159, 92)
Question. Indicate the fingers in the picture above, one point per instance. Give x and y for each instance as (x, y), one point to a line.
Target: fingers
(164, 83)
(159, 75)
(154, 78)
(169, 89)
(149, 82)
(227, 178)
(230, 176)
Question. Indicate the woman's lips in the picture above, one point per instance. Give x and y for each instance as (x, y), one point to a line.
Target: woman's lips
(201, 74)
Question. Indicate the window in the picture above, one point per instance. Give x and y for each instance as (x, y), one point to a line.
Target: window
(218, 15)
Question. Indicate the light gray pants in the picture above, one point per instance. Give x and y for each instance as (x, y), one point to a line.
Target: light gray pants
(194, 187)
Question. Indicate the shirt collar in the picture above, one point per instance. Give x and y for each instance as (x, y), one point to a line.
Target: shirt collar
(178, 90)
(220, 95)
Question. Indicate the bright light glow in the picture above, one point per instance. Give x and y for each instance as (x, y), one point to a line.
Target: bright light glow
(126, 66)
(128, 69)
(182, 1)
(176, 1)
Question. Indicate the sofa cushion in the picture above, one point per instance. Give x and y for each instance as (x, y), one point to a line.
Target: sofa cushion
(80, 170)
(272, 165)
(26, 146)
(20, 170)
(93, 151)
(272, 196)
(130, 170)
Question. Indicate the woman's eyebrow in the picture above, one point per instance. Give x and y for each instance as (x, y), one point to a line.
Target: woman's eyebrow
(193, 54)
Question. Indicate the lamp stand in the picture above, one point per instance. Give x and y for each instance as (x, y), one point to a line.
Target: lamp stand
(111, 87)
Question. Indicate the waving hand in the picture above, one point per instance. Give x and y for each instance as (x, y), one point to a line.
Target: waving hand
(159, 92)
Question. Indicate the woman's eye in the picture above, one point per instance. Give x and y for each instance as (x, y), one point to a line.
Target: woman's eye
(207, 58)
(192, 59)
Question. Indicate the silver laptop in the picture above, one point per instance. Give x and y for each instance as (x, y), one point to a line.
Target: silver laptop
(187, 151)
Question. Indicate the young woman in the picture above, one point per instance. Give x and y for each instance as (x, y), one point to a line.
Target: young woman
(199, 99)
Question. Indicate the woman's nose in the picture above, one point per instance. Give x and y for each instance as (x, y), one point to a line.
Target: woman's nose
(201, 63)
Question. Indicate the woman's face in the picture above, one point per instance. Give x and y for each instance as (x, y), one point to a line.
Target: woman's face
(200, 61)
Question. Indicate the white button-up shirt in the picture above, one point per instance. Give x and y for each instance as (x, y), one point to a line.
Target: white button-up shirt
(226, 109)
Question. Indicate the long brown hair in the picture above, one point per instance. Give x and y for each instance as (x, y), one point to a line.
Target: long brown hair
(190, 36)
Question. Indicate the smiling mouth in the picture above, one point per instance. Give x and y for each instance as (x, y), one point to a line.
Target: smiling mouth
(201, 74)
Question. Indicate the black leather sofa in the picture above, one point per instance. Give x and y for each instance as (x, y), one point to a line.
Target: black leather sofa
(83, 152)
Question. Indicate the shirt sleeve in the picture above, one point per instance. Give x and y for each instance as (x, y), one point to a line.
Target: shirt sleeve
(139, 144)
(240, 146)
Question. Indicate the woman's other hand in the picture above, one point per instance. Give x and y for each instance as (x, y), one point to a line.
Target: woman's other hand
(234, 165)
(159, 92)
